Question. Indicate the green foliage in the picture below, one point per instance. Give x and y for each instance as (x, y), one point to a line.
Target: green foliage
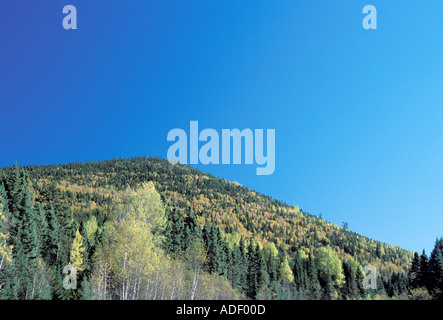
(329, 264)
(92, 186)
(143, 229)
(91, 228)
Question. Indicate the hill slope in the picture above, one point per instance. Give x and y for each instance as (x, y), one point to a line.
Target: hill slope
(240, 212)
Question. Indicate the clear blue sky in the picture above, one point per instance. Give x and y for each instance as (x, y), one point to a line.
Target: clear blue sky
(358, 113)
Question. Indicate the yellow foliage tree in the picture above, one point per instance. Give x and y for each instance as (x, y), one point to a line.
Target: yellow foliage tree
(132, 240)
(143, 204)
(91, 229)
(286, 272)
(76, 257)
(328, 263)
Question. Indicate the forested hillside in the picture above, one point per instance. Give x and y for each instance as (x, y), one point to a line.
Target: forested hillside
(141, 228)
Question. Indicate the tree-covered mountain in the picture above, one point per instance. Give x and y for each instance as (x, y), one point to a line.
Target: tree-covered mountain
(142, 228)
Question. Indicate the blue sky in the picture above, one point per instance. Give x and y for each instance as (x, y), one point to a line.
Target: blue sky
(357, 113)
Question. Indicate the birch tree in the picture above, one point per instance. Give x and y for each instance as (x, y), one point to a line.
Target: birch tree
(132, 242)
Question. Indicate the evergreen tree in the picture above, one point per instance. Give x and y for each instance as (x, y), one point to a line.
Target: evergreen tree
(217, 250)
(168, 244)
(212, 248)
(238, 272)
(252, 278)
(436, 269)
(414, 272)
(328, 287)
(257, 276)
(193, 230)
(243, 266)
(85, 292)
(272, 268)
(223, 252)
(9, 284)
(313, 284)
(53, 244)
(350, 290)
(22, 269)
(262, 274)
(52, 197)
(359, 279)
(60, 293)
(15, 189)
(29, 226)
(42, 229)
(300, 274)
(381, 290)
(424, 276)
(177, 232)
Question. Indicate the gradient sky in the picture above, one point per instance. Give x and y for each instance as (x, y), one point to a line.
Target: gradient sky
(358, 113)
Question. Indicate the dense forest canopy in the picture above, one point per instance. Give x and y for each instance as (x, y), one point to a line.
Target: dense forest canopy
(142, 228)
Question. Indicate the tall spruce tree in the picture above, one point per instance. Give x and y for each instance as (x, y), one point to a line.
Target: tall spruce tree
(300, 275)
(424, 276)
(252, 277)
(313, 284)
(53, 244)
(15, 189)
(272, 270)
(178, 230)
(238, 269)
(193, 231)
(350, 290)
(29, 225)
(414, 272)
(243, 266)
(436, 269)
